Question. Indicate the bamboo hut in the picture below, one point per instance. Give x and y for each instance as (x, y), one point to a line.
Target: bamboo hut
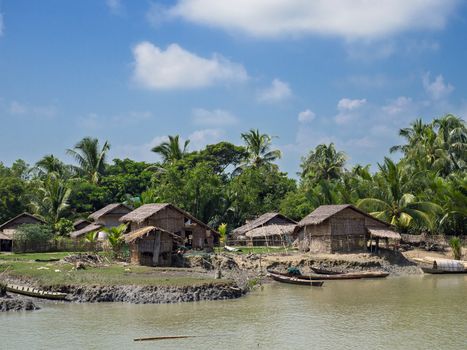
(194, 233)
(272, 229)
(341, 228)
(8, 229)
(152, 246)
(105, 217)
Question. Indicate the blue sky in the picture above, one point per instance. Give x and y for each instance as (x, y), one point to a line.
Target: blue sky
(131, 72)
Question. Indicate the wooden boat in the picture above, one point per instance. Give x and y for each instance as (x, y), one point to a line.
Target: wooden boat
(364, 274)
(295, 280)
(32, 292)
(441, 266)
(342, 276)
(324, 271)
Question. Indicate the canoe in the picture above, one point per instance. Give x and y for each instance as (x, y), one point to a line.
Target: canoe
(342, 276)
(363, 274)
(295, 280)
(433, 271)
(325, 272)
(32, 292)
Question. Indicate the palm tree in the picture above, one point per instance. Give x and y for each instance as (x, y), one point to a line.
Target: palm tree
(394, 203)
(53, 198)
(259, 149)
(452, 137)
(90, 157)
(171, 150)
(116, 238)
(323, 163)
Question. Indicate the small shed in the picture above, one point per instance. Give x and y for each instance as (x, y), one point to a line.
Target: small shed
(341, 228)
(8, 229)
(152, 246)
(268, 229)
(194, 233)
(105, 217)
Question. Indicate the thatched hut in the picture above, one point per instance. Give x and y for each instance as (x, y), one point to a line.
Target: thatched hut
(194, 233)
(268, 229)
(105, 217)
(8, 229)
(341, 228)
(151, 246)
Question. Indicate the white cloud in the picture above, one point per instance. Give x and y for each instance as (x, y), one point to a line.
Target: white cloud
(96, 121)
(348, 19)
(18, 108)
(399, 105)
(216, 117)
(306, 116)
(278, 91)
(348, 104)
(156, 14)
(201, 138)
(437, 89)
(115, 6)
(177, 68)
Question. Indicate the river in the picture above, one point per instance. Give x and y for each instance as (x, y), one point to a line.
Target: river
(416, 312)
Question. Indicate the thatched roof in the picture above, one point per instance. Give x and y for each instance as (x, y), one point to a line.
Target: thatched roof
(5, 236)
(260, 221)
(108, 209)
(87, 229)
(145, 231)
(382, 233)
(324, 212)
(80, 221)
(270, 230)
(147, 210)
(6, 223)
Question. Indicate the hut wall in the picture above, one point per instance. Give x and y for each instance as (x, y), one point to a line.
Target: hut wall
(372, 223)
(348, 231)
(22, 220)
(152, 250)
(110, 220)
(315, 238)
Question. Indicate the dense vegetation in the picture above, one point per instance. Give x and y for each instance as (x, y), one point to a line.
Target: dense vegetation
(425, 191)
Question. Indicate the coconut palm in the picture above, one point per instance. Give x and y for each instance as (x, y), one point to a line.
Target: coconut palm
(90, 158)
(171, 150)
(52, 201)
(394, 203)
(116, 238)
(452, 137)
(323, 163)
(259, 149)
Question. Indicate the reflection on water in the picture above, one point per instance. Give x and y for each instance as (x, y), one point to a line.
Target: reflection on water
(419, 312)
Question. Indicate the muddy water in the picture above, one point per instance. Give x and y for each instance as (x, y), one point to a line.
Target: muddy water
(417, 312)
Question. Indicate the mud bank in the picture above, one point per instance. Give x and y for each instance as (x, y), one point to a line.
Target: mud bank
(12, 303)
(150, 294)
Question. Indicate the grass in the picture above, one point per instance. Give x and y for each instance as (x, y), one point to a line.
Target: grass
(59, 273)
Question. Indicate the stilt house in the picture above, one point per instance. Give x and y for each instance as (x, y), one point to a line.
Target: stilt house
(157, 230)
(341, 228)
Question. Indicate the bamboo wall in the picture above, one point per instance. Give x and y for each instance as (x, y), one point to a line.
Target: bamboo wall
(153, 250)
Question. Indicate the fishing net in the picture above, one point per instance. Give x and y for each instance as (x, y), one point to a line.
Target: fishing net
(294, 271)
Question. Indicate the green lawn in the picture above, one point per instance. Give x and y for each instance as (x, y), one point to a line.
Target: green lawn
(59, 273)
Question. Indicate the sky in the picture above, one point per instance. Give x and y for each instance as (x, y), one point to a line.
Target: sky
(351, 72)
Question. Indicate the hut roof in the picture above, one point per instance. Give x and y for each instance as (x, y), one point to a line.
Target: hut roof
(145, 231)
(11, 221)
(270, 230)
(145, 211)
(87, 229)
(260, 221)
(108, 209)
(324, 212)
(5, 236)
(80, 221)
(382, 233)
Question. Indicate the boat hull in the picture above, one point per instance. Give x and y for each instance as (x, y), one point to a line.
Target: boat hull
(343, 276)
(295, 280)
(35, 292)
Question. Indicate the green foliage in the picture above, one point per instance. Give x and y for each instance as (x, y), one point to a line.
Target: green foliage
(456, 246)
(33, 234)
(259, 150)
(323, 163)
(116, 238)
(90, 158)
(13, 197)
(222, 229)
(63, 226)
(171, 150)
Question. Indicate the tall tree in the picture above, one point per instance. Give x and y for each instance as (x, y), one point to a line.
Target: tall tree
(259, 149)
(323, 163)
(90, 157)
(171, 150)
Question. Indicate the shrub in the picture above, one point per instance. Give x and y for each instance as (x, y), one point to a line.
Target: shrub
(456, 246)
(63, 226)
(33, 234)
